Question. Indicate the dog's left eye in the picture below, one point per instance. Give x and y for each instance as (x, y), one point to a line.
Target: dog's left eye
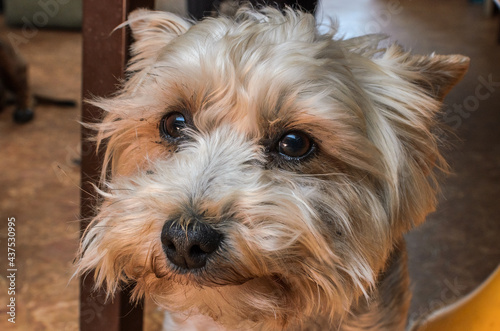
(172, 124)
(295, 144)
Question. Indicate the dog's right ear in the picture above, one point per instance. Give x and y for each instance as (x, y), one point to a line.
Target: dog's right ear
(153, 30)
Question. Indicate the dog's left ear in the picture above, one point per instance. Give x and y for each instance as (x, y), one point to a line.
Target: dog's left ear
(153, 30)
(408, 91)
(441, 72)
(436, 74)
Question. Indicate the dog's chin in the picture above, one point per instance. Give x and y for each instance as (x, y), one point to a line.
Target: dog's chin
(242, 303)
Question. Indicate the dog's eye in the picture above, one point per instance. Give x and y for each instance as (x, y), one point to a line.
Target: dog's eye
(294, 144)
(171, 125)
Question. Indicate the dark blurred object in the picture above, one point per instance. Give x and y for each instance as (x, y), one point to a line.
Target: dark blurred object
(14, 87)
(14, 79)
(201, 8)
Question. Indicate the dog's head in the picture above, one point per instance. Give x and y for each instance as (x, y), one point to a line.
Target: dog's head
(261, 172)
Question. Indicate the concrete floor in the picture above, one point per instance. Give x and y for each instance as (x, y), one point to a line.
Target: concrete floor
(449, 255)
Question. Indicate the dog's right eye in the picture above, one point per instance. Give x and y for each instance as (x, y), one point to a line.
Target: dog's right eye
(172, 124)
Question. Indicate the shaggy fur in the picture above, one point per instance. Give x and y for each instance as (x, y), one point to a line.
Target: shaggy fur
(309, 244)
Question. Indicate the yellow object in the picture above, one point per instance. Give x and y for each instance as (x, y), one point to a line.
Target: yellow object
(478, 311)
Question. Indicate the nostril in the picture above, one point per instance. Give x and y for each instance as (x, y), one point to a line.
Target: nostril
(171, 247)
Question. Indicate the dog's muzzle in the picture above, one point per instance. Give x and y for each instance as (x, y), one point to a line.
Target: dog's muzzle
(189, 247)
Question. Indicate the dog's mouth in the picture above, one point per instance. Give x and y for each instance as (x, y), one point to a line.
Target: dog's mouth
(205, 278)
(217, 277)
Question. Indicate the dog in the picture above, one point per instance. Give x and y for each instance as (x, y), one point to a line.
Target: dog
(260, 175)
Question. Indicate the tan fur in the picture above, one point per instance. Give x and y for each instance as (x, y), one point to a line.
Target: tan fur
(313, 244)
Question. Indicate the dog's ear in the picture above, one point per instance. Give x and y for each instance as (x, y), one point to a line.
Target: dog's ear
(441, 72)
(153, 30)
(436, 74)
(406, 92)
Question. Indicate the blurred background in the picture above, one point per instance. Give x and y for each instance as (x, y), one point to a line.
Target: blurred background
(40, 156)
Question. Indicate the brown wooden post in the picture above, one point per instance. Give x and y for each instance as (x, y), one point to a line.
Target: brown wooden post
(104, 60)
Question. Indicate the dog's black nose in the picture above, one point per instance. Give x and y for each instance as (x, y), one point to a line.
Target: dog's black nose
(189, 246)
